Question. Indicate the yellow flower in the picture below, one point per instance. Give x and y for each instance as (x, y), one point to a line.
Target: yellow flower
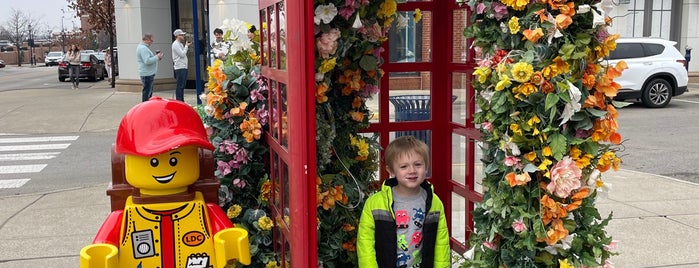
(516, 129)
(516, 4)
(522, 72)
(417, 16)
(327, 65)
(513, 24)
(272, 264)
(503, 83)
(234, 211)
(564, 264)
(530, 156)
(265, 223)
(544, 164)
(362, 148)
(534, 120)
(482, 73)
(546, 151)
(387, 9)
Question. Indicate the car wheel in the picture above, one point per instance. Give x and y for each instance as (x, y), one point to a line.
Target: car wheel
(657, 93)
(62, 79)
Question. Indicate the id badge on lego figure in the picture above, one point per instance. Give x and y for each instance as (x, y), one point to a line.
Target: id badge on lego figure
(143, 244)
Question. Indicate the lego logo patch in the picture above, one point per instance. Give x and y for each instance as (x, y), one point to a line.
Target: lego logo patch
(193, 238)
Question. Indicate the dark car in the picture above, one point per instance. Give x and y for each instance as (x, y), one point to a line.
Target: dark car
(90, 68)
(2, 64)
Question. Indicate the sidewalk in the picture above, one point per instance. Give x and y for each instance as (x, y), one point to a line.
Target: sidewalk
(656, 218)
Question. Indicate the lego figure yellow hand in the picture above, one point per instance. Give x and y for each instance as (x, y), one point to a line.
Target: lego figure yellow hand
(232, 243)
(99, 256)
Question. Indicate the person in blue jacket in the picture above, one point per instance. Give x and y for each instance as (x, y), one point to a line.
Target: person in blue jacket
(147, 65)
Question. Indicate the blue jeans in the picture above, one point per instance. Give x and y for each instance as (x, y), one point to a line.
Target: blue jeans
(147, 82)
(181, 77)
(74, 74)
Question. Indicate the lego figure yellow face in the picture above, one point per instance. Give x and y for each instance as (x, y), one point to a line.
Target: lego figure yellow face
(163, 174)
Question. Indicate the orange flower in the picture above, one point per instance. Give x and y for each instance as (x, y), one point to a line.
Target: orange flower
(320, 92)
(543, 16)
(555, 233)
(357, 102)
(348, 227)
(547, 87)
(537, 78)
(517, 179)
(266, 191)
(240, 110)
(351, 245)
(551, 210)
(567, 9)
(532, 35)
(357, 116)
(563, 21)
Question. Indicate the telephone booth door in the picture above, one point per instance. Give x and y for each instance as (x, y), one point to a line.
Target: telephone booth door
(426, 92)
(284, 36)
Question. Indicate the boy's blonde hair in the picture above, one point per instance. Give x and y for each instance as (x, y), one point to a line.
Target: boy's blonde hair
(404, 145)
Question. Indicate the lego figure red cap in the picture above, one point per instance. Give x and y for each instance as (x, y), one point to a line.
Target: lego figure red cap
(157, 126)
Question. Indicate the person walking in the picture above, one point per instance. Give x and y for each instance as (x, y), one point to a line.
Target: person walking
(74, 65)
(179, 59)
(108, 64)
(147, 65)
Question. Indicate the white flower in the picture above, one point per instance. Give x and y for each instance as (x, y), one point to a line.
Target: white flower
(401, 22)
(319, 77)
(582, 9)
(357, 22)
(325, 13)
(574, 105)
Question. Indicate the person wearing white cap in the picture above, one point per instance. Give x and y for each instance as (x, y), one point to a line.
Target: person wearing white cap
(179, 59)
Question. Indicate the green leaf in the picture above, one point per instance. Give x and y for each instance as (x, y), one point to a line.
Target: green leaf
(558, 144)
(551, 101)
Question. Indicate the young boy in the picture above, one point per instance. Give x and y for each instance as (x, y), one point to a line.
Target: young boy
(404, 225)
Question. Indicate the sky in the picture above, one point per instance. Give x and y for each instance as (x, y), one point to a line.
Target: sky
(48, 11)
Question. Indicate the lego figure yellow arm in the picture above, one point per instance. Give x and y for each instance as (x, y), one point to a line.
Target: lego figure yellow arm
(230, 243)
(103, 253)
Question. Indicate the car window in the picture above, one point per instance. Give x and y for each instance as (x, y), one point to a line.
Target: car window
(54, 54)
(653, 49)
(627, 51)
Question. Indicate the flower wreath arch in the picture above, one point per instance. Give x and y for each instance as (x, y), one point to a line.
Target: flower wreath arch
(548, 125)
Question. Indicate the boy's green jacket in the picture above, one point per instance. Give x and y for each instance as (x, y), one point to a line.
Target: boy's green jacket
(377, 231)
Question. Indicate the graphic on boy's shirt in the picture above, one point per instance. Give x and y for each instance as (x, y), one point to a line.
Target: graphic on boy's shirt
(402, 243)
(403, 259)
(417, 239)
(417, 260)
(402, 219)
(419, 217)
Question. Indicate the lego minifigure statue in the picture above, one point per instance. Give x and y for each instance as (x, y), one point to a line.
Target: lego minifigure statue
(164, 223)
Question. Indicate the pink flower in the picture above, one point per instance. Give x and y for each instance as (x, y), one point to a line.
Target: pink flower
(327, 43)
(487, 126)
(480, 8)
(519, 226)
(490, 245)
(500, 10)
(608, 264)
(565, 177)
(612, 246)
(223, 168)
(511, 161)
(372, 32)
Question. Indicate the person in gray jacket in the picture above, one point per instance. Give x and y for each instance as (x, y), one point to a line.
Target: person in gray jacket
(147, 65)
(179, 59)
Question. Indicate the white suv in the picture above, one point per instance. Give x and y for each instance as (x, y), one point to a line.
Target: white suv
(656, 70)
(53, 58)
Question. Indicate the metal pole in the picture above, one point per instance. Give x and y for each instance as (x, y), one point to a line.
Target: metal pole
(111, 43)
(197, 49)
(31, 51)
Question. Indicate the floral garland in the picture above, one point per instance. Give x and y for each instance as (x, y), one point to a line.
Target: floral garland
(349, 35)
(549, 130)
(236, 116)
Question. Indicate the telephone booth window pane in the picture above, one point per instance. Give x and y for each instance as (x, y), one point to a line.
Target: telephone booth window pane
(373, 105)
(273, 41)
(264, 49)
(285, 195)
(460, 46)
(409, 96)
(459, 218)
(281, 12)
(273, 109)
(458, 159)
(284, 115)
(460, 84)
(477, 165)
(405, 44)
(275, 181)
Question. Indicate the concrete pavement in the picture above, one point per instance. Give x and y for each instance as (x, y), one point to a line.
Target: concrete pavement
(656, 218)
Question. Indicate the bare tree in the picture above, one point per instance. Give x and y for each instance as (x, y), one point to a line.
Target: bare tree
(99, 13)
(18, 27)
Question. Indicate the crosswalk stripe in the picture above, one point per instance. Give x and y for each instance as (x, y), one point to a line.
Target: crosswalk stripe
(15, 183)
(39, 139)
(11, 169)
(56, 146)
(28, 156)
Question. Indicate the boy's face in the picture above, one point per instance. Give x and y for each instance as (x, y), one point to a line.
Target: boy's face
(410, 171)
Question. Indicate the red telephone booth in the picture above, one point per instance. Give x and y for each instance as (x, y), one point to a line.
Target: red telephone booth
(430, 61)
